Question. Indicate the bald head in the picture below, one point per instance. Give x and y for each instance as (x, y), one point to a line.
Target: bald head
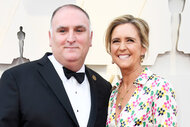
(69, 6)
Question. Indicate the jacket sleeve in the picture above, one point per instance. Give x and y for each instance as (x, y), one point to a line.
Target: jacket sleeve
(9, 101)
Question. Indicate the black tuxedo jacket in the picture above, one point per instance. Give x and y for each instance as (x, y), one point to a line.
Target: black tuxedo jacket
(32, 95)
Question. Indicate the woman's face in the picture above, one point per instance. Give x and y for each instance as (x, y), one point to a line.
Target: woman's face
(126, 49)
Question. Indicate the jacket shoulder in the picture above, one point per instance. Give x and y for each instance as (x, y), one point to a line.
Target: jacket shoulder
(98, 77)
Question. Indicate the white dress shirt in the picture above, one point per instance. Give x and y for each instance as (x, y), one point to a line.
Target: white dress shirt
(79, 94)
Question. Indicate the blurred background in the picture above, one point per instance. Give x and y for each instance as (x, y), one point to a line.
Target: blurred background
(169, 51)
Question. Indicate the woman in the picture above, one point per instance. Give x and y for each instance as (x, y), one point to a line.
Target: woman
(141, 98)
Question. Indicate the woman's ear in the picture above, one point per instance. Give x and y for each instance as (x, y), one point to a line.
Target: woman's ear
(143, 51)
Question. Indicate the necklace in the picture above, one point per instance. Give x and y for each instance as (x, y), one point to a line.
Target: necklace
(122, 98)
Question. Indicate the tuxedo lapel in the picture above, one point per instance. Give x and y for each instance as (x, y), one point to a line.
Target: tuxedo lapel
(51, 77)
(92, 79)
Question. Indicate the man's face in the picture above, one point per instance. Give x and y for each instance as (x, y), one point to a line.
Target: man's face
(70, 37)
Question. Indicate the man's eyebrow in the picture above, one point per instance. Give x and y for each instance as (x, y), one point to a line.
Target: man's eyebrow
(61, 27)
(81, 26)
(75, 27)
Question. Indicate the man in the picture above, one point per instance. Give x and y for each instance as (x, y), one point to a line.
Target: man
(39, 94)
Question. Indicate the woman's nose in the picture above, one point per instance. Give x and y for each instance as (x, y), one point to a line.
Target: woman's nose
(123, 46)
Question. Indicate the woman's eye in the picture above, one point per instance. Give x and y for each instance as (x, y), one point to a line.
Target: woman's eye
(115, 41)
(130, 40)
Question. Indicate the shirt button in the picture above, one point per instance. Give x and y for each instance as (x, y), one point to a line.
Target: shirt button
(75, 92)
(77, 110)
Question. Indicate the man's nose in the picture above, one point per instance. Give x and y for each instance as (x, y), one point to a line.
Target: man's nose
(71, 37)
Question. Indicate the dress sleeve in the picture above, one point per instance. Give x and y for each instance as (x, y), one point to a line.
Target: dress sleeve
(9, 113)
(164, 106)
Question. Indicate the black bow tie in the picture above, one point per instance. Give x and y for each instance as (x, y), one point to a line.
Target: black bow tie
(78, 76)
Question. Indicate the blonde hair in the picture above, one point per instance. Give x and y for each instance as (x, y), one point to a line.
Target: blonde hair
(140, 24)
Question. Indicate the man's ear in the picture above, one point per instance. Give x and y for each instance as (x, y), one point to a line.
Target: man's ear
(50, 37)
(91, 35)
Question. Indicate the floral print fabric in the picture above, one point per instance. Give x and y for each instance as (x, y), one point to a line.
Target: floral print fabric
(152, 104)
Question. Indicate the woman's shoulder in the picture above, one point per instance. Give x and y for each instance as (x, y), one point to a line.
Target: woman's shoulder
(157, 81)
(160, 85)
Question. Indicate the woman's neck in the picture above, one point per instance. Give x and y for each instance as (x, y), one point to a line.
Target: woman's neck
(130, 75)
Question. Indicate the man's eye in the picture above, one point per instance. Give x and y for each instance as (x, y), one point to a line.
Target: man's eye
(79, 30)
(62, 31)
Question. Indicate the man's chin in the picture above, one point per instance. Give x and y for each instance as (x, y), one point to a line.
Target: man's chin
(72, 58)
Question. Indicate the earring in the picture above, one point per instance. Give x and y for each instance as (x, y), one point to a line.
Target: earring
(142, 58)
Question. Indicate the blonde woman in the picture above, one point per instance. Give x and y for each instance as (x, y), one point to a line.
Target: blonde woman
(141, 98)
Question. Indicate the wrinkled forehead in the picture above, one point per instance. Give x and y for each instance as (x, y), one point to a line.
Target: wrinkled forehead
(70, 16)
(70, 9)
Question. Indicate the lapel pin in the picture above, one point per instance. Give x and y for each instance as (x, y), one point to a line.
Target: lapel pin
(94, 77)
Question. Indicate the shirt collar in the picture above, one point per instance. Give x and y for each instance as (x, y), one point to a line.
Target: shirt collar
(144, 76)
(57, 64)
(141, 80)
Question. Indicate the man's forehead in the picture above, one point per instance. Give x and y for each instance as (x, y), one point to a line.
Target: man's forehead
(68, 20)
(68, 10)
(68, 27)
(70, 16)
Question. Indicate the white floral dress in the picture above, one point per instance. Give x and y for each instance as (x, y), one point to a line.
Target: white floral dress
(152, 104)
